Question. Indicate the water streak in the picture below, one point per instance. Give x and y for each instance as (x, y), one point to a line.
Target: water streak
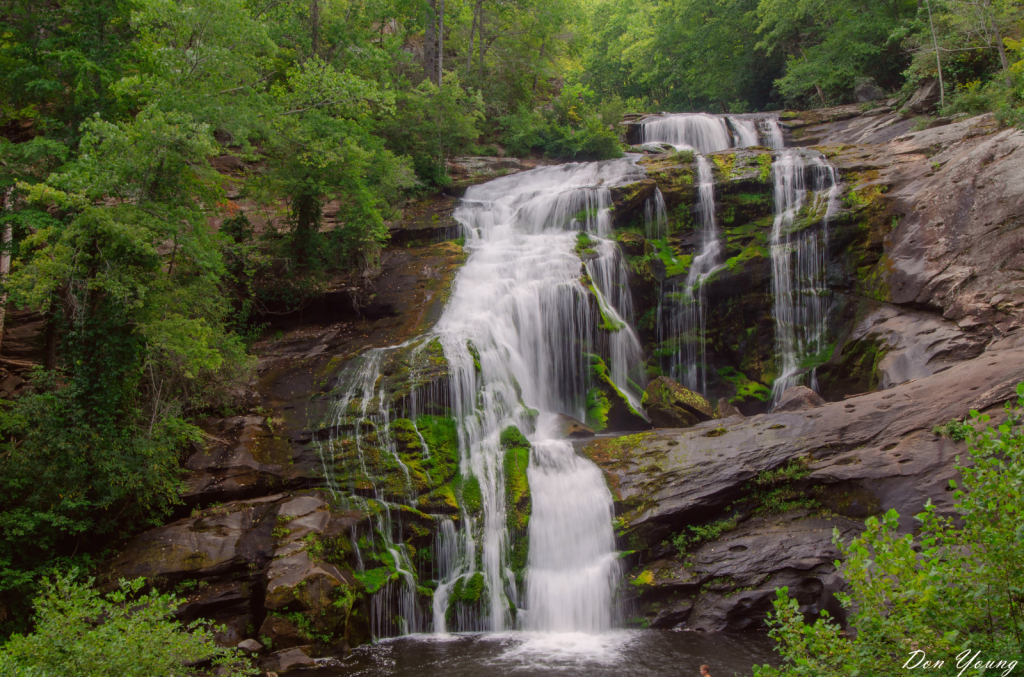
(799, 264)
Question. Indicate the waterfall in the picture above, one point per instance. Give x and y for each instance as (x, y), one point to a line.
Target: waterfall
(745, 131)
(701, 132)
(773, 134)
(687, 321)
(573, 568)
(799, 252)
(655, 216)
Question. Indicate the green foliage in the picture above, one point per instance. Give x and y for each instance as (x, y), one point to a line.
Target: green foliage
(570, 128)
(693, 536)
(432, 123)
(953, 586)
(954, 430)
(745, 388)
(122, 634)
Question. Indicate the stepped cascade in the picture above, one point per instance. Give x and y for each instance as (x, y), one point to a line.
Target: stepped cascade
(519, 336)
(704, 133)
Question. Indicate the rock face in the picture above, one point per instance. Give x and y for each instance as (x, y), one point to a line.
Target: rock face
(835, 463)
(670, 405)
(925, 98)
(797, 398)
(571, 429)
(271, 568)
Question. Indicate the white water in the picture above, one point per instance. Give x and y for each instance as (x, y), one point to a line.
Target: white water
(773, 134)
(799, 263)
(700, 132)
(521, 301)
(655, 216)
(688, 315)
(745, 131)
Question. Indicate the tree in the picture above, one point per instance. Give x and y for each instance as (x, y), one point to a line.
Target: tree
(949, 589)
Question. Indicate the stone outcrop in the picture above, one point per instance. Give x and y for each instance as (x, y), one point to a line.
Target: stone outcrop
(797, 398)
(269, 568)
(786, 478)
(670, 405)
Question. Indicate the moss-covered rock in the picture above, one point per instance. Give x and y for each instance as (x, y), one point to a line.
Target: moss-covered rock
(517, 498)
(670, 405)
(607, 408)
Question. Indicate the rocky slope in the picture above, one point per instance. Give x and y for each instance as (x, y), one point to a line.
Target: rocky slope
(926, 271)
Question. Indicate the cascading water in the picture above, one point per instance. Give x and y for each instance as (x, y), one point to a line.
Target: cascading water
(745, 131)
(655, 216)
(703, 133)
(518, 339)
(799, 260)
(687, 320)
(706, 133)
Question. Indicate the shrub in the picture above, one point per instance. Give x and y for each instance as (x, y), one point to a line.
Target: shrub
(123, 634)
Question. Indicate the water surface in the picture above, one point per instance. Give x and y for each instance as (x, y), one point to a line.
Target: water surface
(638, 653)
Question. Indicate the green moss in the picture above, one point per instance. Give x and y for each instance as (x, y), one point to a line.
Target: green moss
(475, 354)
(750, 253)
(745, 388)
(472, 498)
(725, 163)
(764, 161)
(375, 579)
(598, 407)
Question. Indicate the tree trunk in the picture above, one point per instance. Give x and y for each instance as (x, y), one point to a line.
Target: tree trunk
(440, 44)
(480, 31)
(999, 45)
(50, 338)
(314, 26)
(472, 31)
(430, 42)
(5, 258)
(938, 61)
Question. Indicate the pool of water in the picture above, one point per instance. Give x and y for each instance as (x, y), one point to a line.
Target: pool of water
(641, 653)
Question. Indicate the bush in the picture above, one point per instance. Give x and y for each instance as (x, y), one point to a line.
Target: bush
(950, 590)
(123, 634)
(571, 128)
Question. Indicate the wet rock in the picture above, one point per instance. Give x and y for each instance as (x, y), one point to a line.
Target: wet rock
(608, 409)
(730, 583)
(628, 200)
(570, 428)
(925, 98)
(670, 405)
(798, 398)
(892, 345)
(864, 455)
(633, 244)
(287, 661)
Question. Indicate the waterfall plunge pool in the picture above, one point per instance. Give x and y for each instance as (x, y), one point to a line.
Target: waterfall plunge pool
(622, 653)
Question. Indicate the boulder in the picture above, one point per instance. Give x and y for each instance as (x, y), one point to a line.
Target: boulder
(726, 409)
(222, 539)
(250, 646)
(670, 405)
(570, 428)
(867, 90)
(282, 633)
(633, 244)
(798, 398)
(287, 660)
(925, 98)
